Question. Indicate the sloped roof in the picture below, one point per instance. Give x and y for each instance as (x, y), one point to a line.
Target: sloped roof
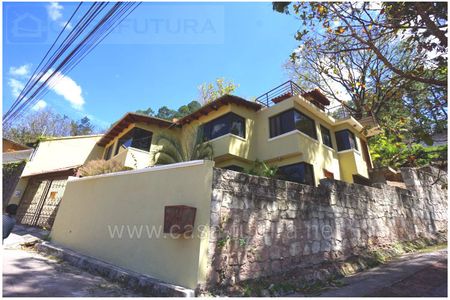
(128, 119)
(216, 104)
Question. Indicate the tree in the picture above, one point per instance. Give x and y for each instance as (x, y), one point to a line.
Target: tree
(359, 25)
(166, 113)
(174, 150)
(211, 91)
(43, 123)
(149, 112)
(82, 127)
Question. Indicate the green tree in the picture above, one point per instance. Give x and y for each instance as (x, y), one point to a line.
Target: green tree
(166, 113)
(359, 25)
(174, 150)
(211, 91)
(149, 112)
(82, 127)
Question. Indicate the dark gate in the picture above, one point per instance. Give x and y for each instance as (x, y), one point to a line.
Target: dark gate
(40, 201)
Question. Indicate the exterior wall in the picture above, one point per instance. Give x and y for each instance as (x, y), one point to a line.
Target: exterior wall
(230, 145)
(19, 190)
(138, 198)
(261, 227)
(10, 179)
(60, 153)
(141, 158)
(296, 146)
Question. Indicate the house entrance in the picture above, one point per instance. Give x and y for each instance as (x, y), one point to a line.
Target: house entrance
(40, 201)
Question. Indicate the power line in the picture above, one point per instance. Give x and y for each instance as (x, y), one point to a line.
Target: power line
(101, 30)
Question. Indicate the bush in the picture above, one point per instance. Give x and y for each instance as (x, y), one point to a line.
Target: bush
(260, 168)
(101, 166)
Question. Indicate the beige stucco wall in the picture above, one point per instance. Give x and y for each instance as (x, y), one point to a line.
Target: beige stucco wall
(60, 153)
(18, 192)
(138, 198)
(143, 158)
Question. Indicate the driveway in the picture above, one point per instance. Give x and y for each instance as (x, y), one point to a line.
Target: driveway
(28, 274)
(412, 275)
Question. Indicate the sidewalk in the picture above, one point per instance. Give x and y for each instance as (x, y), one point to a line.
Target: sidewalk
(28, 274)
(412, 275)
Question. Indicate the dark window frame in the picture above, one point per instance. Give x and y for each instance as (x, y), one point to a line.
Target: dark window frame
(108, 152)
(307, 181)
(129, 138)
(348, 145)
(205, 130)
(322, 128)
(278, 126)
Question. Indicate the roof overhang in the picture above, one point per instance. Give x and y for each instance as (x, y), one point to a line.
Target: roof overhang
(128, 119)
(216, 104)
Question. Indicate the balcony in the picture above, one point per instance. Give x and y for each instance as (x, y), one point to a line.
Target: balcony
(133, 158)
(289, 89)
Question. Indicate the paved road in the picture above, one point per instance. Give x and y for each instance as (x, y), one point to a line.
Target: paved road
(412, 275)
(28, 274)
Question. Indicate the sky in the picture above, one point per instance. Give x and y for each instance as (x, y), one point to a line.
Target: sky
(158, 56)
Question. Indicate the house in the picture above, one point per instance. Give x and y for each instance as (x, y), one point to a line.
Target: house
(286, 128)
(292, 130)
(44, 177)
(14, 159)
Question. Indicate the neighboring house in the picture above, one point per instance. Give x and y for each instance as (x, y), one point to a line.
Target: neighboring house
(44, 178)
(14, 159)
(285, 128)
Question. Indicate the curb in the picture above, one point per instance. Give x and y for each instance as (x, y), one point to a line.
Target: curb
(133, 280)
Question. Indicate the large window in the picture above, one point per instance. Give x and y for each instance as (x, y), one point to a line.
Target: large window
(301, 173)
(326, 136)
(136, 138)
(346, 140)
(229, 123)
(292, 120)
(108, 152)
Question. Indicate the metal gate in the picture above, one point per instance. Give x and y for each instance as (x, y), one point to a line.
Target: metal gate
(40, 201)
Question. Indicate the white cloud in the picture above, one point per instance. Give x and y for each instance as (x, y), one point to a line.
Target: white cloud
(20, 71)
(54, 11)
(41, 104)
(65, 86)
(69, 25)
(16, 86)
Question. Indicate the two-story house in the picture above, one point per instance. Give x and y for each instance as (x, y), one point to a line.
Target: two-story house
(286, 127)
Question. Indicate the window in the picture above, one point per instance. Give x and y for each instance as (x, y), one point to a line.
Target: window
(292, 120)
(305, 124)
(229, 123)
(136, 138)
(301, 173)
(346, 140)
(326, 136)
(108, 152)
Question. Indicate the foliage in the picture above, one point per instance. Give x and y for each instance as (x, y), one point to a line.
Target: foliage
(394, 152)
(174, 150)
(357, 26)
(101, 166)
(211, 91)
(82, 127)
(169, 114)
(260, 168)
(45, 123)
(385, 61)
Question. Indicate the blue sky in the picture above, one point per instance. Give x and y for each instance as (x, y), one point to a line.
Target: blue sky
(158, 56)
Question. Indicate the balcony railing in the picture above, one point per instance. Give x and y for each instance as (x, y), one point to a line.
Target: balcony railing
(280, 93)
(289, 89)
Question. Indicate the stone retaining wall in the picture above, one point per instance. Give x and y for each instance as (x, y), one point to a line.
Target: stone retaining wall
(261, 227)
